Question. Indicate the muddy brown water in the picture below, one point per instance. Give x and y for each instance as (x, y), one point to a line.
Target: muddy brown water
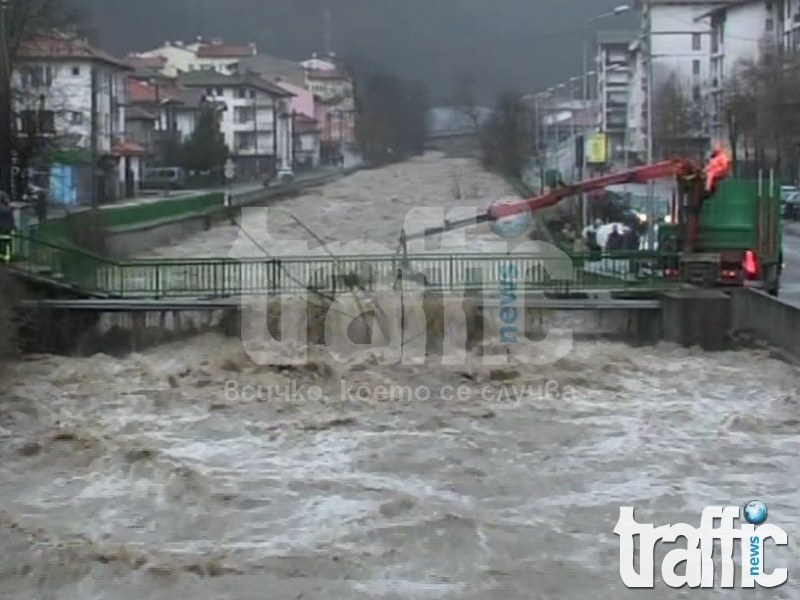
(189, 471)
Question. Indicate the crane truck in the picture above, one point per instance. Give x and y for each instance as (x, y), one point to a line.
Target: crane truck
(726, 236)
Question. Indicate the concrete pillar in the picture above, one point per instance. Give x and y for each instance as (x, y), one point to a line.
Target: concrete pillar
(698, 317)
(648, 326)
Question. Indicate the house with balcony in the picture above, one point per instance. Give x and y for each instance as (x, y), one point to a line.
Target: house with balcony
(176, 57)
(307, 139)
(256, 119)
(71, 96)
(613, 83)
(170, 59)
(335, 109)
(163, 115)
(221, 57)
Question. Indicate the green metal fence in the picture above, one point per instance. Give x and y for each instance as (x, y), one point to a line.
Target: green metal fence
(221, 277)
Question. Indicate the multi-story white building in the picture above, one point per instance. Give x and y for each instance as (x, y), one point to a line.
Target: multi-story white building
(740, 34)
(173, 58)
(256, 122)
(217, 56)
(789, 25)
(674, 44)
(73, 95)
(180, 57)
(636, 138)
(613, 82)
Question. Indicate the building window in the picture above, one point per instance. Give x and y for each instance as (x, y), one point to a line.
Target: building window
(253, 94)
(770, 25)
(220, 92)
(38, 76)
(37, 121)
(696, 68)
(244, 115)
(241, 93)
(76, 71)
(210, 92)
(76, 118)
(697, 42)
(696, 95)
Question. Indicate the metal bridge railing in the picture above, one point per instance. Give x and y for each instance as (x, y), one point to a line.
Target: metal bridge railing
(222, 277)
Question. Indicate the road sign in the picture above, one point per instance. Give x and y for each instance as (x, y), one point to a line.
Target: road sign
(597, 149)
(230, 169)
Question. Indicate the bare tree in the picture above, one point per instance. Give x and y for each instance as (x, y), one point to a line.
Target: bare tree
(762, 112)
(677, 121)
(465, 102)
(506, 137)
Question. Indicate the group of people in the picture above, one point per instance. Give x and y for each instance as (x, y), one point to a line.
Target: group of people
(627, 240)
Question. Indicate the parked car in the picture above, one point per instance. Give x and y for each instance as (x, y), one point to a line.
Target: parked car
(791, 206)
(164, 178)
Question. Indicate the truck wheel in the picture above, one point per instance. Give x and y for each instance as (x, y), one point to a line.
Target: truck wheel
(774, 291)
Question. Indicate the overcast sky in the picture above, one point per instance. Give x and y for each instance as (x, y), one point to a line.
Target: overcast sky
(524, 45)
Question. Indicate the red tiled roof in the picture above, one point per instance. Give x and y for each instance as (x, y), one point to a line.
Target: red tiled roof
(222, 51)
(127, 149)
(140, 93)
(60, 46)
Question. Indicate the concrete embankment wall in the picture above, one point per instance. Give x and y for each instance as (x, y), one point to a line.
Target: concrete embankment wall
(122, 242)
(436, 327)
(767, 318)
(131, 228)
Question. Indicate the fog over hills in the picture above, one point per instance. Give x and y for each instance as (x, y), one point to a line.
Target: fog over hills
(501, 44)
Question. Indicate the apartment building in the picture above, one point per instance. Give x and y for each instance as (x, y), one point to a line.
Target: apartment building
(256, 120)
(740, 33)
(613, 82)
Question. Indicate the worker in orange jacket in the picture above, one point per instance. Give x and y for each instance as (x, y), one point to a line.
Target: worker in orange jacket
(717, 168)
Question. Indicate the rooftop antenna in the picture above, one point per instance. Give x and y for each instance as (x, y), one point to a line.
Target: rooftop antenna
(327, 34)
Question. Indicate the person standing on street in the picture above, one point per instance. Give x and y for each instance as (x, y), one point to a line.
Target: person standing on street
(7, 227)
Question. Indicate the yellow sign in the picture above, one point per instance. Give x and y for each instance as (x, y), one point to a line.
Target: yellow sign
(597, 149)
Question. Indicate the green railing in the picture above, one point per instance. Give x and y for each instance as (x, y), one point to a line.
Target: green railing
(69, 266)
(221, 277)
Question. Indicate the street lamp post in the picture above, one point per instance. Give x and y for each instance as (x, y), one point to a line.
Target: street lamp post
(618, 10)
(5, 103)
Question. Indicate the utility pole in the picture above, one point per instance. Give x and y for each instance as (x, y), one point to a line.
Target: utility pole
(275, 134)
(651, 187)
(255, 130)
(5, 103)
(616, 11)
(327, 35)
(93, 140)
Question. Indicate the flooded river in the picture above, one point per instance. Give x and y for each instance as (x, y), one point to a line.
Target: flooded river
(187, 471)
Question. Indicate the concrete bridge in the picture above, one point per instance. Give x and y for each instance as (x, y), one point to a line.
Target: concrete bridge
(646, 306)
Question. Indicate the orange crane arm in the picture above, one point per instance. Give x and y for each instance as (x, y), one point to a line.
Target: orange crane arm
(661, 170)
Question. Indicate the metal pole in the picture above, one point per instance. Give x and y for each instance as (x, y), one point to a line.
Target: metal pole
(93, 141)
(255, 131)
(5, 104)
(651, 187)
(584, 158)
(275, 135)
